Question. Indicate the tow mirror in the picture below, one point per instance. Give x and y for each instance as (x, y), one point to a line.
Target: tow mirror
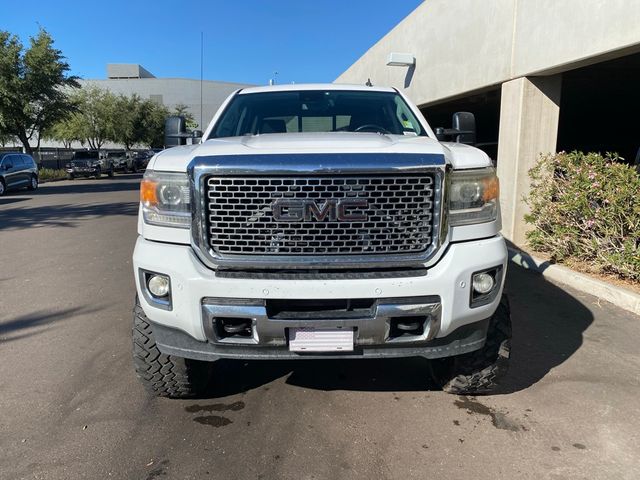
(465, 124)
(463, 129)
(176, 133)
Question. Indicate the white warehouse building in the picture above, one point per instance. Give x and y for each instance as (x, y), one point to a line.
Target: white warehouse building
(129, 79)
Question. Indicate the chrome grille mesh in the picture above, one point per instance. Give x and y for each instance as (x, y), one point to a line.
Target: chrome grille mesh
(240, 218)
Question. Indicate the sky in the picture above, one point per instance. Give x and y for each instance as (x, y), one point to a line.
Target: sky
(244, 41)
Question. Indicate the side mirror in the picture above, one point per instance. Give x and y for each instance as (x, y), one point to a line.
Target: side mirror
(463, 129)
(175, 131)
(196, 134)
(465, 124)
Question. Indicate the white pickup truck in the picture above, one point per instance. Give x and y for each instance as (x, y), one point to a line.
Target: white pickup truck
(318, 222)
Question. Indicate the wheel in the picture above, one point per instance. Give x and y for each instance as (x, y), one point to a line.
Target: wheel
(33, 185)
(479, 372)
(164, 375)
(70, 176)
(2, 187)
(110, 172)
(98, 173)
(134, 168)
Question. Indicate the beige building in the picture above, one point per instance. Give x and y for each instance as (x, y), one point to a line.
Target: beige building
(540, 76)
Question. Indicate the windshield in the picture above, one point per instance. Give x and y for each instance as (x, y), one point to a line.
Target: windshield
(317, 111)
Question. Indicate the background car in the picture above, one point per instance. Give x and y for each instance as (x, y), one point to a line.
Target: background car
(17, 170)
(87, 163)
(140, 160)
(120, 160)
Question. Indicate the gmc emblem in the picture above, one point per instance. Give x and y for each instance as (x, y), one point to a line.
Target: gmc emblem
(342, 210)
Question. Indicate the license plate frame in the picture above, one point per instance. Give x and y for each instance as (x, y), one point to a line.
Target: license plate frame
(321, 340)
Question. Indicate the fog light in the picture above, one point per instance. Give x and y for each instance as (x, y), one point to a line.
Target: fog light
(158, 285)
(483, 283)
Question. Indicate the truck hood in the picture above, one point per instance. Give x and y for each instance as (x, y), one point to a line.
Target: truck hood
(459, 156)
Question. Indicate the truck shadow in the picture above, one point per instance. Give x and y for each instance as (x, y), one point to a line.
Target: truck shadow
(548, 327)
(66, 215)
(37, 322)
(120, 183)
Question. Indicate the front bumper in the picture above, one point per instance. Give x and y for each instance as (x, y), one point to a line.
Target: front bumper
(84, 171)
(453, 328)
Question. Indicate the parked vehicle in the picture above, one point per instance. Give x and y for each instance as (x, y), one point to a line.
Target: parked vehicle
(140, 160)
(321, 221)
(87, 163)
(120, 160)
(17, 170)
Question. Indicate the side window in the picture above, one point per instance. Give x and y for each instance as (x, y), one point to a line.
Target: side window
(19, 162)
(27, 161)
(9, 161)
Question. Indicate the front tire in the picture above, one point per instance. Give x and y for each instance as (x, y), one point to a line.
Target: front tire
(479, 372)
(3, 187)
(110, 172)
(33, 184)
(164, 375)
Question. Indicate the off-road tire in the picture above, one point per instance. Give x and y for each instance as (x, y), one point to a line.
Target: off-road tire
(110, 172)
(479, 372)
(98, 173)
(164, 375)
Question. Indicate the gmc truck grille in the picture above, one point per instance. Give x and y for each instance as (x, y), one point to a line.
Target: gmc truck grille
(320, 215)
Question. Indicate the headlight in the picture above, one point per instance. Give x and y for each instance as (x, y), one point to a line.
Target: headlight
(165, 199)
(473, 196)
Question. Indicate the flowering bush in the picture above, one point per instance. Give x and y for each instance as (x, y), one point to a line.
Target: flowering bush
(586, 207)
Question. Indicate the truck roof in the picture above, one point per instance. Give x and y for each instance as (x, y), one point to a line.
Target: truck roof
(313, 86)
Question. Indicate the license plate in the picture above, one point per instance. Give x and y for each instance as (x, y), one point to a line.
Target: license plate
(325, 340)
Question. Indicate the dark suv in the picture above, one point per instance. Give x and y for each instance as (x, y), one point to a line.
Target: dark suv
(17, 170)
(140, 160)
(87, 163)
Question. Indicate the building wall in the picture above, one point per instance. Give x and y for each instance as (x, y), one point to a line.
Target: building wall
(462, 47)
(519, 46)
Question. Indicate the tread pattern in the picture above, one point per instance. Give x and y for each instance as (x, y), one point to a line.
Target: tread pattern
(164, 375)
(479, 372)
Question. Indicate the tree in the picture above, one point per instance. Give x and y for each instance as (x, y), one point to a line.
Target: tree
(183, 110)
(33, 86)
(139, 122)
(96, 115)
(66, 131)
(124, 131)
(5, 138)
(153, 116)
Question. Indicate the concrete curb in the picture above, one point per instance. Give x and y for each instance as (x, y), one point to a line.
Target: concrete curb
(52, 180)
(619, 296)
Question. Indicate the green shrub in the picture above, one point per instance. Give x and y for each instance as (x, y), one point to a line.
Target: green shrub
(51, 174)
(586, 207)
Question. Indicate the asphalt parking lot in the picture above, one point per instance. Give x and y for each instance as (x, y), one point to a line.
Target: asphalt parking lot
(71, 407)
